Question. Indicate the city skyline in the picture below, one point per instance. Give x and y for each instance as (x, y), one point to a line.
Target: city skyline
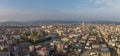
(76, 10)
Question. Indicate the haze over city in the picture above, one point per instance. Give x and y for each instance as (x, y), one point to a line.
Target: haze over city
(76, 10)
(59, 27)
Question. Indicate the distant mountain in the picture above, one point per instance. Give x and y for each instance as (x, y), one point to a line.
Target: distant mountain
(11, 22)
(58, 22)
(104, 22)
(41, 22)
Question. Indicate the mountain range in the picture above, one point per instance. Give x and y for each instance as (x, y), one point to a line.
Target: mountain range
(58, 22)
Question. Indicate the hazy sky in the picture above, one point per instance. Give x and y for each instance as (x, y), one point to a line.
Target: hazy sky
(28, 10)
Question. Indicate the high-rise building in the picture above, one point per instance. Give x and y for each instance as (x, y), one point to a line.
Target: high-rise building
(83, 25)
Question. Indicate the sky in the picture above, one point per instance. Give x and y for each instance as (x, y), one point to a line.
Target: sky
(75, 10)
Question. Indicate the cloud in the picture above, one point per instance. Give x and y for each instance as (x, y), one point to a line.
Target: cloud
(97, 1)
(106, 3)
(7, 14)
(104, 10)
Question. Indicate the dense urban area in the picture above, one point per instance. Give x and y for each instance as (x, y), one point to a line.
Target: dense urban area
(60, 40)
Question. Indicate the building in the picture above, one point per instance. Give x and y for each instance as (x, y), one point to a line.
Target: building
(31, 48)
(105, 52)
(4, 51)
(59, 47)
(83, 25)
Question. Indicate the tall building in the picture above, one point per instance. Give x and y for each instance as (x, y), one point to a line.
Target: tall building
(83, 26)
